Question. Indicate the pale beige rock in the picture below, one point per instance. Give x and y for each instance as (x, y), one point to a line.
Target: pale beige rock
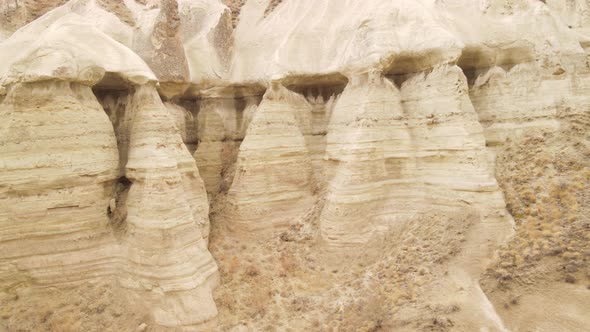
(509, 103)
(316, 136)
(575, 13)
(209, 151)
(15, 14)
(450, 155)
(167, 218)
(322, 37)
(114, 105)
(357, 192)
(398, 156)
(58, 167)
(182, 41)
(62, 44)
(163, 51)
(222, 123)
(273, 184)
(207, 39)
(185, 122)
(365, 123)
(163, 255)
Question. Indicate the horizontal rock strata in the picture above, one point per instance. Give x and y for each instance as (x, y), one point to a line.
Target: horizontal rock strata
(167, 218)
(59, 166)
(273, 183)
(136, 132)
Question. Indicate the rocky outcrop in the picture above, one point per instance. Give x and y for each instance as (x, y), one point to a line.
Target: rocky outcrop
(61, 45)
(450, 155)
(98, 191)
(211, 144)
(326, 37)
(222, 123)
(16, 14)
(273, 184)
(511, 103)
(94, 226)
(167, 218)
(162, 50)
(185, 121)
(322, 101)
(363, 133)
(398, 155)
(59, 166)
(339, 158)
(208, 40)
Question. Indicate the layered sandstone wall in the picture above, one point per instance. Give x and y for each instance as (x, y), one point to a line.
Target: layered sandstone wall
(136, 132)
(108, 193)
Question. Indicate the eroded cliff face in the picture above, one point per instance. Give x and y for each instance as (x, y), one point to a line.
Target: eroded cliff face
(61, 171)
(296, 164)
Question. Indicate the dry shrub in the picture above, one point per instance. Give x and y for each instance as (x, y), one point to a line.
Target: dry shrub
(552, 220)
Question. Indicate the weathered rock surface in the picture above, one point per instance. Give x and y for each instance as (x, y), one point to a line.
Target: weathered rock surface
(400, 155)
(167, 218)
(273, 182)
(350, 165)
(59, 166)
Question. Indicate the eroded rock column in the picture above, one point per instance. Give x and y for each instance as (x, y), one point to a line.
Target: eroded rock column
(167, 218)
(451, 156)
(273, 184)
(393, 157)
(367, 150)
(58, 165)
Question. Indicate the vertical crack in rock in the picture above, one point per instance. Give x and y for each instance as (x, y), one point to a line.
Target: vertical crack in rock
(222, 122)
(117, 209)
(185, 122)
(212, 137)
(322, 100)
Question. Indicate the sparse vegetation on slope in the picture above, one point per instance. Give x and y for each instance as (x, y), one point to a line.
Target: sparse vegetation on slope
(292, 284)
(93, 306)
(546, 181)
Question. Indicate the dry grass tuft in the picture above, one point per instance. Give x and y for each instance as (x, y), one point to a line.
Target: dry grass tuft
(297, 284)
(546, 180)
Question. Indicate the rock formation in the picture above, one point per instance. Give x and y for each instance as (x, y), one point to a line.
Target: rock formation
(59, 166)
(103, 190)
(298, 164)
(167, 219)
(273, 181)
